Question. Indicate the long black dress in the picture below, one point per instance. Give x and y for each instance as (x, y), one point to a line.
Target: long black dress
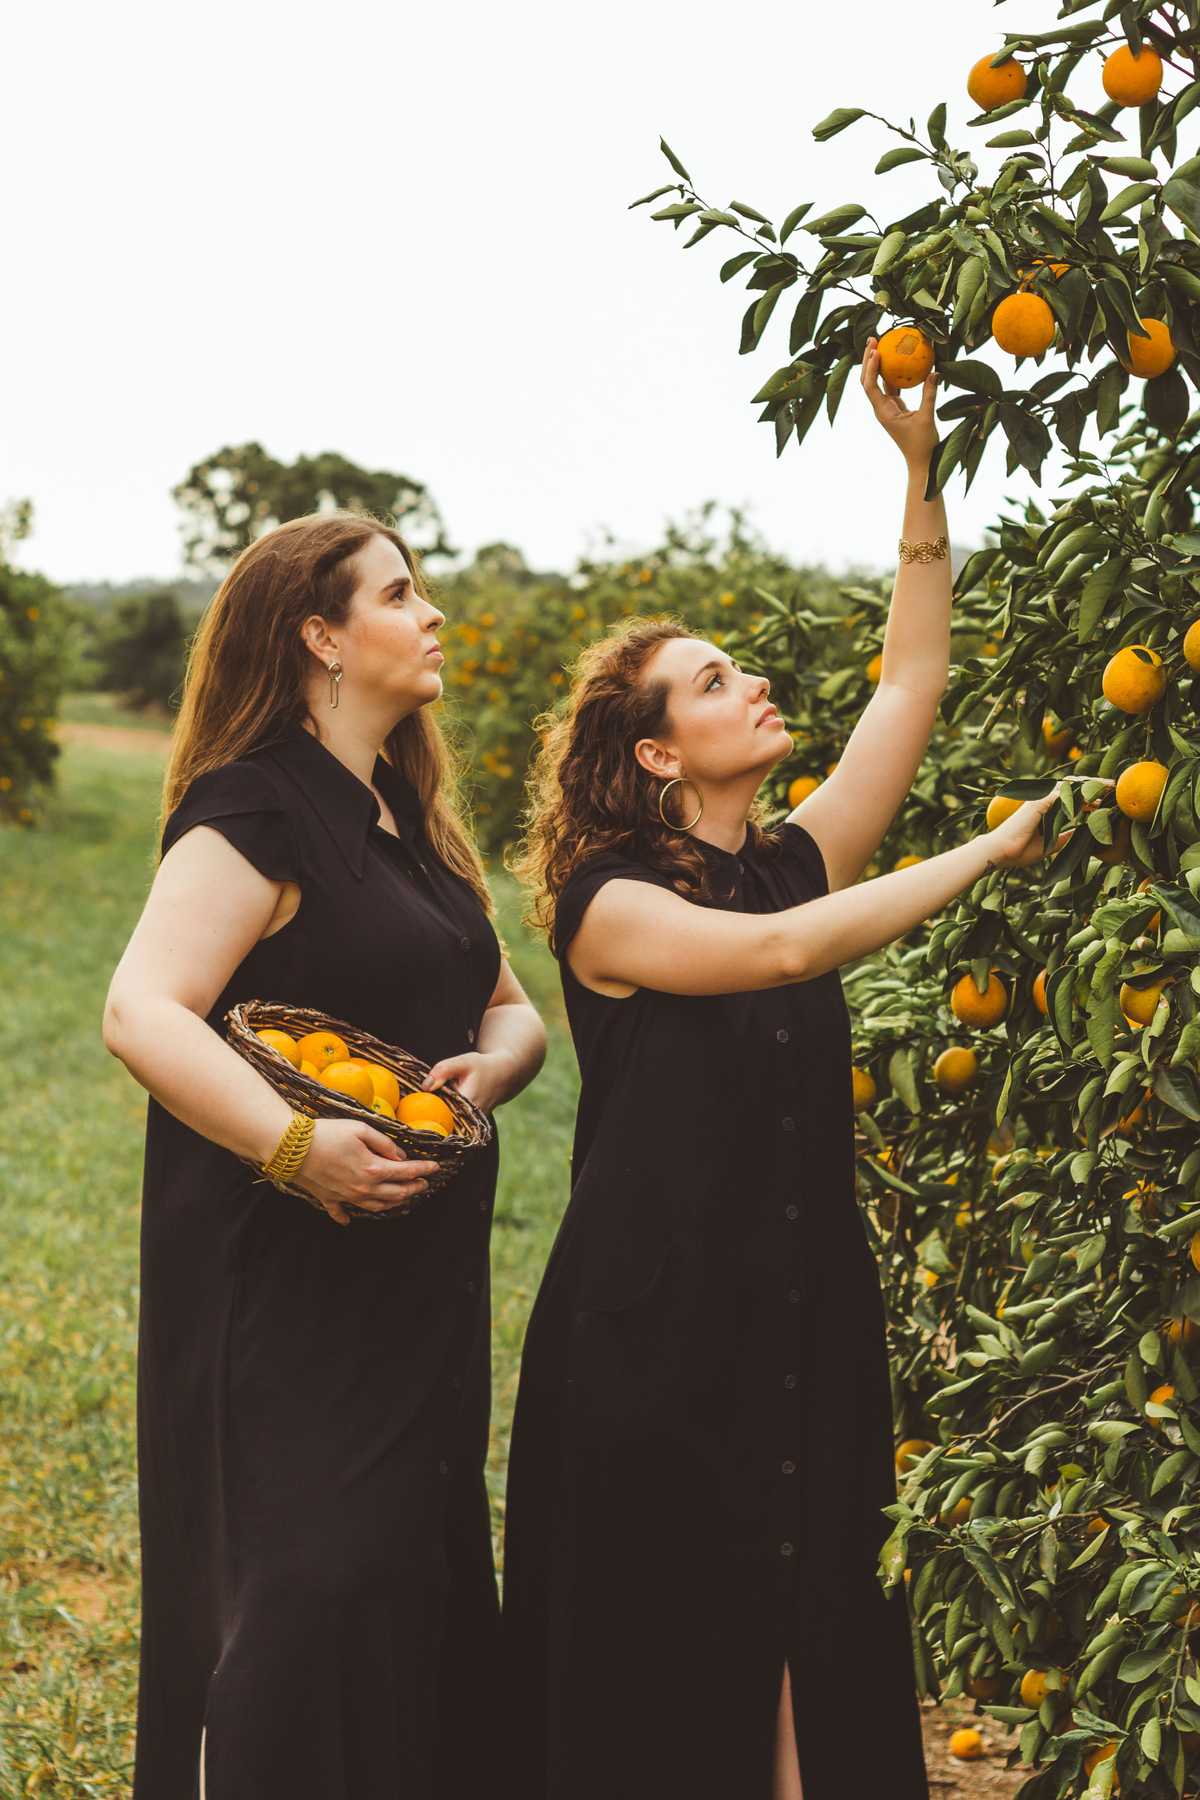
(318, 1585)
(703, 1431)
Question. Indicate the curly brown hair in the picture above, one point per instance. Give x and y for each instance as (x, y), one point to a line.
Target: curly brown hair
(247, 665)
(586, 792)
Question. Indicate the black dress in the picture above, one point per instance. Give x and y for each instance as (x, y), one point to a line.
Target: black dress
(318, 1584)
(703, 1431)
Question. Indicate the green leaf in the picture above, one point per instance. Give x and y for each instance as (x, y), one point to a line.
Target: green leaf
(1178, 1088)
(1008, 140)
(793, 219)
(889, 250)
(1098, 589)
(656, 195)
(1136, 168)
(1166, 401)
(837, 121)
(736, 263)
(902, 1076)
(892, 159)
(1182, 194)
(835, 220)
(976, 377)
(748, 212)
(1128, 197)
(673, 160)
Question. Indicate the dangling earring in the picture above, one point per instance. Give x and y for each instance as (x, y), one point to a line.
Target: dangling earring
(335, 680)
(662, 796)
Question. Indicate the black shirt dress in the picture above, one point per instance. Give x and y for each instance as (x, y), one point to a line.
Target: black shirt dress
(318, 1583)
(703, 1432)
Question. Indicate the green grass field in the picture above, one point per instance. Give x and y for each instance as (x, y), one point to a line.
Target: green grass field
(71, 1140)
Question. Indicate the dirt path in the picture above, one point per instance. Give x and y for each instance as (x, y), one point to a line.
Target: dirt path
(114, 737)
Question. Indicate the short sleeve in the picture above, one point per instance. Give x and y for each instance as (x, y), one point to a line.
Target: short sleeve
(804, 853)
(584, 883)
(240, 801)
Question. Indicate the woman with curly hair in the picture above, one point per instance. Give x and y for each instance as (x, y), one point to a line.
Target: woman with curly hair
(703, 1434)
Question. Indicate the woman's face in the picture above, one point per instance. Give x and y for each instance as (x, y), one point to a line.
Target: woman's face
(720, 721)
(388, 645)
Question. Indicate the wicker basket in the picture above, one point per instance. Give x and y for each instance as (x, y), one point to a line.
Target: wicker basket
(473, 1129)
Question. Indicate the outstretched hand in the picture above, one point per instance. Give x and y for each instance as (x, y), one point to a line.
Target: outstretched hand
(912, 428)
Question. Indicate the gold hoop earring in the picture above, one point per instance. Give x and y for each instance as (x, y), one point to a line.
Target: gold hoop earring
(671, 826)
(335, 681)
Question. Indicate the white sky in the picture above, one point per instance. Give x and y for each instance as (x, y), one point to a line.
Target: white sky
(406, 237)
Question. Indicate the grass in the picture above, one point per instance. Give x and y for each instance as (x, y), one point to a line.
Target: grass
(71, 1140)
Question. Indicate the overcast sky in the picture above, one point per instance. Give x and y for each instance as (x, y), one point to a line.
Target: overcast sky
(404, 235)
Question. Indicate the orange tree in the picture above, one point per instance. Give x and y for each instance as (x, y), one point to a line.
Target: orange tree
(1027, 1065)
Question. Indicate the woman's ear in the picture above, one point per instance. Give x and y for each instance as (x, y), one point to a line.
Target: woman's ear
(656, 759)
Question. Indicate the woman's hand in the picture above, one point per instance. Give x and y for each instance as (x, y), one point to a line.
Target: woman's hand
(350, 1163)
(1019, 841)
(914, 430)
(482, 1076)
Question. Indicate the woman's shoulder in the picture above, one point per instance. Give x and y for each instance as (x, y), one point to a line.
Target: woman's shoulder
(587, 877)
(245, 787)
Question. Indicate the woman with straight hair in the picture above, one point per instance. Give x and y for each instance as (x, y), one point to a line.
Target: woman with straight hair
(319, 1609)
(703, 1434)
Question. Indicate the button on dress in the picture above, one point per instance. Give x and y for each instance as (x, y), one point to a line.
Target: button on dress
(703, 1433)
(313, 1400)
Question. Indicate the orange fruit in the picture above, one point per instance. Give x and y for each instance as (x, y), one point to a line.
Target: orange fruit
(1033, 1687)
(905, 356)
(1134, 679)
(433, 1126)
(1055, 735)
(1194, 1250)
(1150, 356)
(1132, 80)
(912, 1450)
(959, 1513)
(970, 1007)
(908, 862)
(986, 1687)
(1074, 753)
(875, 667)
(1023, 325)
(1191, 645)
(323, 1048)
(990, 86)
(966, 1743)
(1139, 1004)
(283, 1042)
(1139, 789)
(928, 1276)
(347, 1078)
(1182, 1330)
(1100, 1754)
(385, 1084)
(1057, 269)
(383, 1107)
(1162, 1396)
(801, 788)
(862, 1084)
(955, 1069)
(1039, 991)
(1001, 807)
(425, 1108)
(1118, 851)
(311, 1070)
(830, 767)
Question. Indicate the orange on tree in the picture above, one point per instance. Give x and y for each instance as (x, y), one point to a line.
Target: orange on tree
(1134, 679)
(1161, 1396)
(1023, 324)
(283, 1042)
(862, 1086)
(986, 1687)
(1132, 80)
(1100, 1754)
(911, 1450)
(905, 356)
(1194, 1250)
(1057, 269)
(1139, 789)
(348, 1078)
(991, 85)
(955, 1069)
(966, 1743)
(1152, 355)
(1122, 844)
(421, 1108)
(959, 1513)
(323, 1048)
(875, 667)
(1139, 1004)
(1191, 645)
(801, 788)
(1181, 1330)
(970, 1007)
(908, 862)
(1039, 991)
(1033, 1686)
(1055, 735)
(999, 808)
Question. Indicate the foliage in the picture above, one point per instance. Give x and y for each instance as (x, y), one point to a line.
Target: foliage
(1038, 1235)
(142, 650)
(35, 665)
(241, 491)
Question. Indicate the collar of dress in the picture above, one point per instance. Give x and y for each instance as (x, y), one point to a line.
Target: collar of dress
(347, 805)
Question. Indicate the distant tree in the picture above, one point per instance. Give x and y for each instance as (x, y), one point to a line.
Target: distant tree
(143, 650)
(240, 492)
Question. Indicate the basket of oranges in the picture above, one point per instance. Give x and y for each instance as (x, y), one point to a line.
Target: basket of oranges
(332, 1070)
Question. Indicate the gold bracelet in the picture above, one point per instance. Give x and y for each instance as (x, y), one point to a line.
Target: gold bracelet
(291, 1149)
(924, 553)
